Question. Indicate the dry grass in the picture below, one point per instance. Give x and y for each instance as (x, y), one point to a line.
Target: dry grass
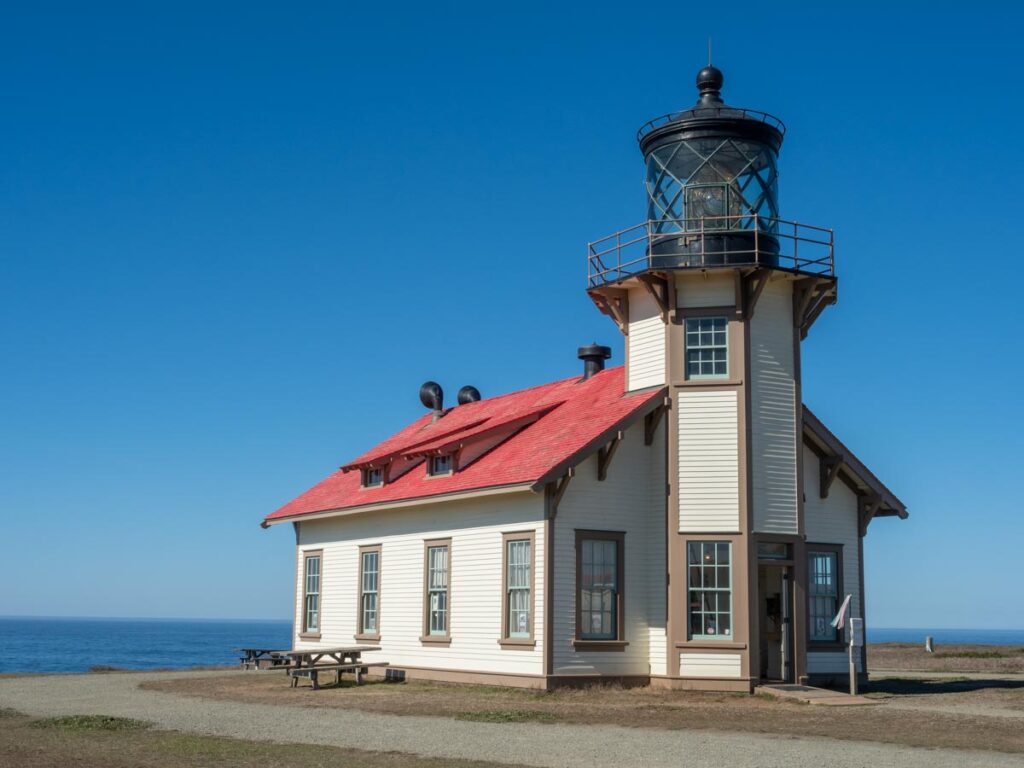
(650, 708)
(31, 743)
(947, 658)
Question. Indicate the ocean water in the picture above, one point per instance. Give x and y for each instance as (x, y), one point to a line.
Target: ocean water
(77, 645)
(948, 636)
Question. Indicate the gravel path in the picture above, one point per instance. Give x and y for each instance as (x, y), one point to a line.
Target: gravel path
(554, 746)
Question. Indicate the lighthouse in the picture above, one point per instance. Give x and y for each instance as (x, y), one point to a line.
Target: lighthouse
(713, 293)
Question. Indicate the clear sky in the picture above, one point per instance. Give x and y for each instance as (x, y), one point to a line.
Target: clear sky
(234, 240)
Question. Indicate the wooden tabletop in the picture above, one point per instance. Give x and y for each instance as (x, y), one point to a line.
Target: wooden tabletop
(332, 650)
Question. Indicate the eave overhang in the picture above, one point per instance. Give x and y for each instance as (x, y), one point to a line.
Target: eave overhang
(838, 461)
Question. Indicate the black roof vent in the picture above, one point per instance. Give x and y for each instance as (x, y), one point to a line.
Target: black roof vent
(468, 394)
(593, 357)
(432, 396)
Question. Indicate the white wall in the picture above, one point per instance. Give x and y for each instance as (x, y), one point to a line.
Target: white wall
(630, 500)
(709, 664)
(645, 342)
(706, 289)
(708, 461)
(833, 521)
(475, 527)
(773, 425)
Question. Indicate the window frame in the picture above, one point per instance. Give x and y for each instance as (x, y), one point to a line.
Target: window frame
(507, 640)
(305, 632)
(361, 633)
(366, 477)
(831, 549)
(432, 472)
(426, 637)
(700, 318)
(619, 642)
(718, 637)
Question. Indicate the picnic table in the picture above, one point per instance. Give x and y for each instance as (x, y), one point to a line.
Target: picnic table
(310, 662)
(251, 658)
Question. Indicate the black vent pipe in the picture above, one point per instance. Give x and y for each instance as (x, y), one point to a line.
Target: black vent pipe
(468, 394)
(593, 357)
(432, 396)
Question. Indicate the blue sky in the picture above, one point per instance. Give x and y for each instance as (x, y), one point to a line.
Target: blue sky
(235, 239)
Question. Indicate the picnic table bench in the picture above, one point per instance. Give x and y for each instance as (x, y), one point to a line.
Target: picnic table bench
(310, 662)
(252, 658)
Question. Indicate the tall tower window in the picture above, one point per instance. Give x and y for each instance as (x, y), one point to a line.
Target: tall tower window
(707, 348)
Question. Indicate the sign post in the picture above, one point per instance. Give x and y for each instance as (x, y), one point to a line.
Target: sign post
(856, 643)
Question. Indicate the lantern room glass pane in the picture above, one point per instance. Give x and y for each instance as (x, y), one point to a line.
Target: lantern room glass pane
(689, 183)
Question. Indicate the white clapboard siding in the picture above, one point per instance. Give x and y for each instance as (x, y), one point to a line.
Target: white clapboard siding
(708, 461)
(773, 425)
(709, 664)
(630, 500)
(475, 527)
(645, 342)
(707, 289)
(832, 521)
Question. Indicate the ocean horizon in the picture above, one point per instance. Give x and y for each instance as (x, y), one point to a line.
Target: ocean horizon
(78, 644)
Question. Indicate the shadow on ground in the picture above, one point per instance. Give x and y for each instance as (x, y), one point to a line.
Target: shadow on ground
(901, 686)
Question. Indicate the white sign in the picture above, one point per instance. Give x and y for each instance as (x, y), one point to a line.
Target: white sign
(856, 632)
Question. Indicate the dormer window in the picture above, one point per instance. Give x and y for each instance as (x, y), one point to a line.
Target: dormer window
(440, 465)
(373, 477)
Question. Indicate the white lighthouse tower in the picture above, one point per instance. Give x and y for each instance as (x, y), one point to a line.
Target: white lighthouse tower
(713, 294)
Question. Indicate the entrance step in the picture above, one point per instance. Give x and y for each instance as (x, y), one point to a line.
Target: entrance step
(811, 695)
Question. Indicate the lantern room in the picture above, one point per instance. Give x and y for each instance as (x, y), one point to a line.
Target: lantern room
(712, 169)
(711, 195)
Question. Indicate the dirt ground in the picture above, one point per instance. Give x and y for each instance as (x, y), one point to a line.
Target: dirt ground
(27, 742)
(948, 713)
(947, 658)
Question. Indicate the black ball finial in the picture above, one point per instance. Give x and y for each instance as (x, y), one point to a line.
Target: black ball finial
(709, 83)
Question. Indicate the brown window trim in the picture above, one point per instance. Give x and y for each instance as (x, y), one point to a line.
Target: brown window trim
(734, 341)
(618, 643)
(505, 641)
(430, 465)
(364, 475)
(305, 634)
(360, 635)
(426, 638)
(829, 645)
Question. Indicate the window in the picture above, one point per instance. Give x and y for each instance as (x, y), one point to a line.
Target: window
(518, 587)
(707, 348)
(373, 477)
(438, 565)
(439, 465)
(369, 592)
(599, 586)
(311, 594)
(710, 590)
(823, 590)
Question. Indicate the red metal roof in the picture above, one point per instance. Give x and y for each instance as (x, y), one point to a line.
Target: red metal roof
(573, 414)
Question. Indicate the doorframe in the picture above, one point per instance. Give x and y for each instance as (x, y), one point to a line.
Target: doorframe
(788, 662)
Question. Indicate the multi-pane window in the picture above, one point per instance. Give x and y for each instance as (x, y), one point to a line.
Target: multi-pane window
(373, 477)
(518, 559)
(311, 594)
(600, 588)
(707, 348)
(369, 591)
(437, 590)
(440, 465)
(823, 594)
(710, 589)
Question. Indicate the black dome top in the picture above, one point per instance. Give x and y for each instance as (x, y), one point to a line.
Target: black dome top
(711, 116)
(709, 83)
